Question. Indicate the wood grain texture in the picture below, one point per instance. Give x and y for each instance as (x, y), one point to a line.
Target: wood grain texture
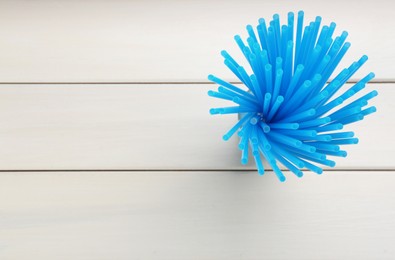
(196, 215)
(147, 127)
(184, 210)
(161, 41)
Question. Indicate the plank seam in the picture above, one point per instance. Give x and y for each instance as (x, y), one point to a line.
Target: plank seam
(377, 81)
(194, 170)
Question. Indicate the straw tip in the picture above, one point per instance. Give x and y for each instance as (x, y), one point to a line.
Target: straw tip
(225, 137)
(364, 57)
(317, 77)
(266, 129)
(294, 126)
(311, 112)
(279, 73)
(214, 111)
(280, 99)
(300, 67)
(224, 53)
(253, 121)
(324, 94)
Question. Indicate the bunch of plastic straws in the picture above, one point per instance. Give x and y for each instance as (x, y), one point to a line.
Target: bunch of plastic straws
(288, 112)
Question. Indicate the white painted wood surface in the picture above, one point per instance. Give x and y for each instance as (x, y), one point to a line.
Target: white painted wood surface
(189, 213)
(196, 215)
(152, 40)
(50, 127)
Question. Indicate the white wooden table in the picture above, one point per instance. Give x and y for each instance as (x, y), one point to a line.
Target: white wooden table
(108, 150)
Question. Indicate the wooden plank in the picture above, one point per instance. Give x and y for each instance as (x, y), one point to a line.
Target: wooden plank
(162, 41)
(196, 215)
(49, 127)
